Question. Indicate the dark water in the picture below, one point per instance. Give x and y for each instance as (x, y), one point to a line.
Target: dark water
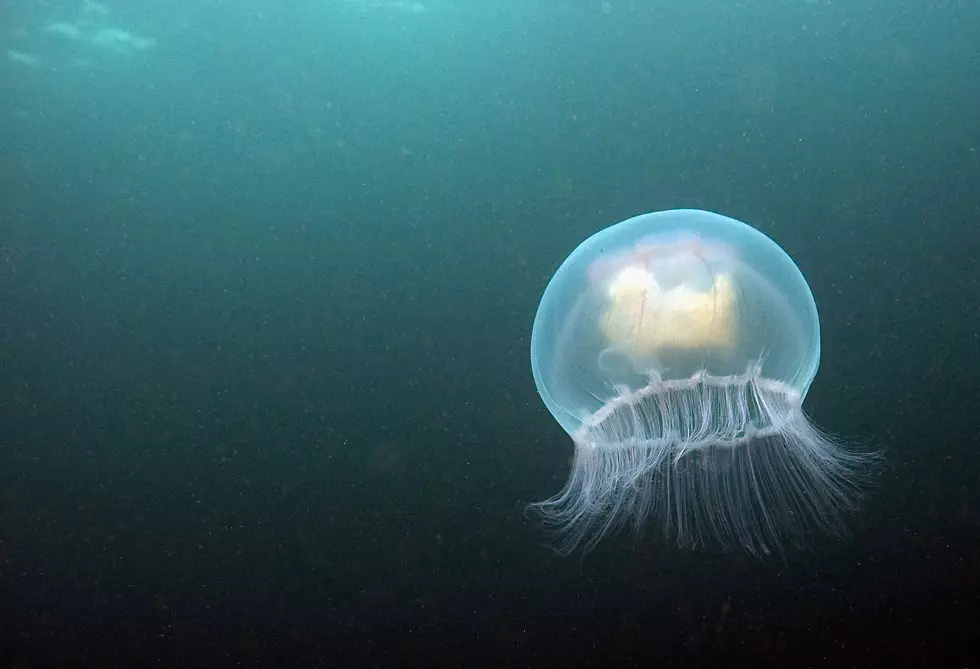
(267, 277)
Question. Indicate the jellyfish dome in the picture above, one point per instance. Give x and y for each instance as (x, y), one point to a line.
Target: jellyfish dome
(676, 349)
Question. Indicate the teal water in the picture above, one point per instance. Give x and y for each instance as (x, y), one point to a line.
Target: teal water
(267, 278)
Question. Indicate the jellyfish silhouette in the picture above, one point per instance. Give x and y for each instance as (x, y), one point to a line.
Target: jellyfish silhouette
(676, 349)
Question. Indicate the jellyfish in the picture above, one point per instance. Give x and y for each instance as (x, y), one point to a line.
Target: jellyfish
(676, 349)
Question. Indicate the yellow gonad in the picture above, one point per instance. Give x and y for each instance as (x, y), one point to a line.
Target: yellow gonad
(643, 318)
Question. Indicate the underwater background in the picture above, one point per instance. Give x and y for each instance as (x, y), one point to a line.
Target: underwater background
(267, 278)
